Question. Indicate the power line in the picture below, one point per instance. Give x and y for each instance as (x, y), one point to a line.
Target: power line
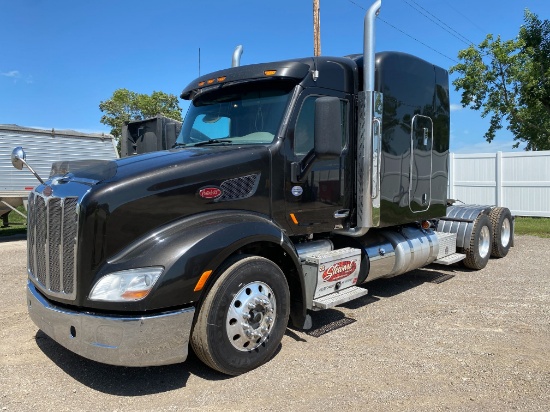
(358, 5)
(437, 21)
(406, 34)
(482, 30)
(415, 39)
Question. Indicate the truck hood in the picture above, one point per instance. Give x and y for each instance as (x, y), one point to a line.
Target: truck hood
(145, 192)
(96, 171)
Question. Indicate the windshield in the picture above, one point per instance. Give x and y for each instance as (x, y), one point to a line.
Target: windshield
(236, 115)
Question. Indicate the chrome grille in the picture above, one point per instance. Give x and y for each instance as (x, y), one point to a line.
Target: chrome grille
(52, 232)
(239, 188)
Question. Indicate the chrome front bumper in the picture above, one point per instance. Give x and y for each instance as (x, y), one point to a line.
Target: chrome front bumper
(160, 339)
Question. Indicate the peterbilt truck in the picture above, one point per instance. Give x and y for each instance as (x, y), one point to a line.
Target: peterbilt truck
(290, 185)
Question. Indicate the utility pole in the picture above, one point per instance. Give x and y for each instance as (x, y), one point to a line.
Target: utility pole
(316, 29)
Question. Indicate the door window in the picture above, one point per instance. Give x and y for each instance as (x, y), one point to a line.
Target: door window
(305, 127)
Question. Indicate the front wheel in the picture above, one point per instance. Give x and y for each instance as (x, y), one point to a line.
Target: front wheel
(243, 318)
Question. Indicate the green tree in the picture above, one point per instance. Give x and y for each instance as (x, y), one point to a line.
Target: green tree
(125, 106)
(510, 81)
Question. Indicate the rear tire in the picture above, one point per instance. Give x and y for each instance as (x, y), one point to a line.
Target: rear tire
(243, 318)
(479, 250)
(501, 219)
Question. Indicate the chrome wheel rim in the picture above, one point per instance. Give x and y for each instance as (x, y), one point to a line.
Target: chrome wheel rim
(505, 232)
(484, 242)
(251, 316)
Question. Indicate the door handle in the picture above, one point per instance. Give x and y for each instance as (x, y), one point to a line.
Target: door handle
(339, 214)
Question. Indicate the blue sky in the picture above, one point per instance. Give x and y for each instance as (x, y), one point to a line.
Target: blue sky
(59, 59)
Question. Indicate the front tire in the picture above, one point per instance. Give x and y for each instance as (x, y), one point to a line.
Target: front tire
(243, 318)
(479, 250)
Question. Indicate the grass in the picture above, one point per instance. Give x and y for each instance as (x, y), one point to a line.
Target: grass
(17, 224)
(534, 226)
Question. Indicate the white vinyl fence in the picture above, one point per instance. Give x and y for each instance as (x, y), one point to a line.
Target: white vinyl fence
(518, 181)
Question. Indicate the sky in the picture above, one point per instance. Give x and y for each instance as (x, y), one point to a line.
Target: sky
(60, 58)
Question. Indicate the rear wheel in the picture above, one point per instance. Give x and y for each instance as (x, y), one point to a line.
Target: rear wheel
(501, 219)
(244, 316)
(479, 250)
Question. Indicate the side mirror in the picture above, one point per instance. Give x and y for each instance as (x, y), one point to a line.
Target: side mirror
(18, 157)
(328, 128)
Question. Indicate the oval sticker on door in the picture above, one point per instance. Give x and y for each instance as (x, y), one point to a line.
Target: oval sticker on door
(210, 192)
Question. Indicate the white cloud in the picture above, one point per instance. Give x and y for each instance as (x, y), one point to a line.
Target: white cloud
(13, 73)
(17, 76)
(456, 107)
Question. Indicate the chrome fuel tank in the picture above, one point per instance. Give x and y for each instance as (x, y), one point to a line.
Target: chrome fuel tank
(392, 253)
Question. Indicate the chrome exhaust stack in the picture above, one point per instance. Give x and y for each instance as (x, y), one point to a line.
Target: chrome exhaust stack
(368, 136)
(236, 61)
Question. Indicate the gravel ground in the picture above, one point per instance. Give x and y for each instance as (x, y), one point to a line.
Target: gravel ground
(477, 341)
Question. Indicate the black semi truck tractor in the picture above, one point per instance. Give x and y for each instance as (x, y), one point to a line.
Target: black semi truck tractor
(289, 186)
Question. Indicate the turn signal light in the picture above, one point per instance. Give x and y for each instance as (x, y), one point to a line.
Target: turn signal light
(134, 294)
(202, 281)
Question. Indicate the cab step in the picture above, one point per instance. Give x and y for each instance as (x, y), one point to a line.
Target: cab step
(337, 298)
(450, 259)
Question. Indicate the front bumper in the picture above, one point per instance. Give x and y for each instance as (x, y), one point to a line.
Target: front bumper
(160, 339)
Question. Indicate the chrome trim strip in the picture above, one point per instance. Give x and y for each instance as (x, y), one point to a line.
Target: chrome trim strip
(47, 246)
(153, 340)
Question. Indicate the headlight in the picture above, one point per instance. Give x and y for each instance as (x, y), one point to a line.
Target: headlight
(128, 285)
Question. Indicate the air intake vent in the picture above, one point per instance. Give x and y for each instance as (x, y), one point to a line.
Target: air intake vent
(239, 188)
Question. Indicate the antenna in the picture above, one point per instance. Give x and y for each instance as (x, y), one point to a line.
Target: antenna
(316, 29)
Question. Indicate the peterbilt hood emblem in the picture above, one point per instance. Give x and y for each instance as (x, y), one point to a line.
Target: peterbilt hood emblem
(48, 191)
(210, 192)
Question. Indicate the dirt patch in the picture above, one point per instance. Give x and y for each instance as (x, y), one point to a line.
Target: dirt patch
(437, 338)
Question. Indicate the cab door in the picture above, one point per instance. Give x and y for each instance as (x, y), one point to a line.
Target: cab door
(319, 200)
(421, 166)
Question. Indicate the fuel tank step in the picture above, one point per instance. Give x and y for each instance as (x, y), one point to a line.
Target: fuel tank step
(450, 259)
(337, 298)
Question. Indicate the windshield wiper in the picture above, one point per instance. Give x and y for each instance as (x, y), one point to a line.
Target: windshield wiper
(176, 145)
(212, 141)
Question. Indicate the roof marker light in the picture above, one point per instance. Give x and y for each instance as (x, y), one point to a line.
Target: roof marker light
(270, 72)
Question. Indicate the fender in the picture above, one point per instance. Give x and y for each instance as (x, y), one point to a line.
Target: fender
(460, 219)
(188, 247)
